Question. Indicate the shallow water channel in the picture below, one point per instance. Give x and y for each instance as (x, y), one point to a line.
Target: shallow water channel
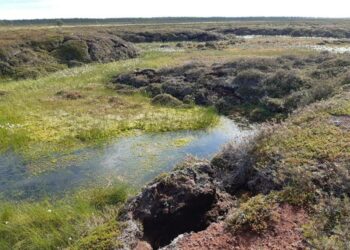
(134, 160)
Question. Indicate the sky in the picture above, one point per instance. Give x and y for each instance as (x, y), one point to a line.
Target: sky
(32, 9)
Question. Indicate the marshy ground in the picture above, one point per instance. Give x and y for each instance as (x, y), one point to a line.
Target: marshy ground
(138, 112)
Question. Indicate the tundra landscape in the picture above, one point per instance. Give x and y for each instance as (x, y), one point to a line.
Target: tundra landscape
(175, 133)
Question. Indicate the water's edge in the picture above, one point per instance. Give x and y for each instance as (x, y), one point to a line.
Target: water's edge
(133, 160)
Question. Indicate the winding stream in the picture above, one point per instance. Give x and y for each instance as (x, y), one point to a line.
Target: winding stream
(134, 160)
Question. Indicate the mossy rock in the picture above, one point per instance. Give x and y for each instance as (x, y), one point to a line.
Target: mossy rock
(166, 100)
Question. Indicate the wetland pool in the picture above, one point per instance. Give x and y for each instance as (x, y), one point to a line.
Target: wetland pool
(133, 160)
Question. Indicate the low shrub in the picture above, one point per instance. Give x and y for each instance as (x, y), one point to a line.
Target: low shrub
(248, 85)
(72, 50)
(330, 225)
(283, 83)
(6, 69)
(166, 100)
(257, 215)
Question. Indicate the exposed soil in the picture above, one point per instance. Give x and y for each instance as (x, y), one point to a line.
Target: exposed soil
(285, 234)
(193, 196)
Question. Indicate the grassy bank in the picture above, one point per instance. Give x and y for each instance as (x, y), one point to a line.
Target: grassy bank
(85, 220)
(309, 154)
(73, 109)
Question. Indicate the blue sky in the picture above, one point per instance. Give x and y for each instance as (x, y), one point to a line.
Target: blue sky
(28, 9)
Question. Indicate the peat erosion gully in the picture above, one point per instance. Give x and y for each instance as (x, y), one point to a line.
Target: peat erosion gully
(197, 192)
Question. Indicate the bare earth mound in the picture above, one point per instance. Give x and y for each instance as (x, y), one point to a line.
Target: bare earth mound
(286, 234)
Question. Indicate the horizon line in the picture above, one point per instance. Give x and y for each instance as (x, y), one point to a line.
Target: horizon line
(176, 17)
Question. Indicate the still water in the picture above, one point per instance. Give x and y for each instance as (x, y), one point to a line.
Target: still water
(134, 160)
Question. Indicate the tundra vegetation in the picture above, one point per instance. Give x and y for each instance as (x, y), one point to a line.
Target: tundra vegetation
(63, 89)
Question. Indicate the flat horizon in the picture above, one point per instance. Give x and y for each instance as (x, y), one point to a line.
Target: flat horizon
(61, 9)
(177, 17)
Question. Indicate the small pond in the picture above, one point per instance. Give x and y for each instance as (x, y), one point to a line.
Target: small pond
(134, 160)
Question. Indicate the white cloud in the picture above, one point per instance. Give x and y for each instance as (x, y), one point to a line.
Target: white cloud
(10, 9)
